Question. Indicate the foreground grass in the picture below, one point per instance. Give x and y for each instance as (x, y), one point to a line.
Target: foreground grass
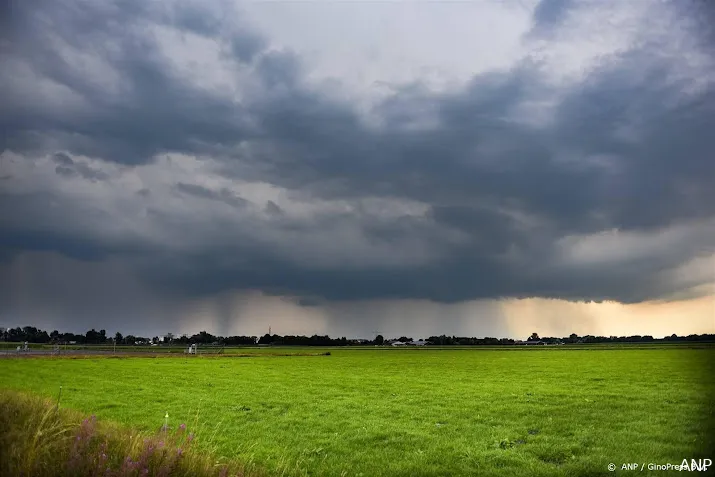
(409, 412)
(38, 438)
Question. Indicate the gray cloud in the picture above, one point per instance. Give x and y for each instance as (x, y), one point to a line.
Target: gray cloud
(550, 13)
(224, 195)
(273, 209)
(475, 197)
(67, 167)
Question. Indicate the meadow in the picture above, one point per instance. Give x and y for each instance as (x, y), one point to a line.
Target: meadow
(407, 412)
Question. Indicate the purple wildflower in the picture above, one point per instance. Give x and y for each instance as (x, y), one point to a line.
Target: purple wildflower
(182, 427)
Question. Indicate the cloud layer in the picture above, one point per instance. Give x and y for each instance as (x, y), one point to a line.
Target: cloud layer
(553, 149)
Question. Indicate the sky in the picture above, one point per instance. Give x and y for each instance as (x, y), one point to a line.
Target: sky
(476, 168)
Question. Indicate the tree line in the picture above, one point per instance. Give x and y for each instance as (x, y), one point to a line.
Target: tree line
(32, 334)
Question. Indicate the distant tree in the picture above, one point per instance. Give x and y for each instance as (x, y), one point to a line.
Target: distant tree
(266, 339)
(441, 340)
(35, 335)
(91, 335)
(68, 337)
(240, 340)
(203, 337)
(15, 334)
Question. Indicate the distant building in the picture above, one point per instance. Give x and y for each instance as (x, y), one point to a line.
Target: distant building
(419, 343)
(398, 343)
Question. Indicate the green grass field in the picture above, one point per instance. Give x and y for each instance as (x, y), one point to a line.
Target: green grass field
(371, 412)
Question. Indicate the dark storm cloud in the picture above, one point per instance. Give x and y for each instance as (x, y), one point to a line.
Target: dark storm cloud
(74, 247)
(44, 222)
(626, 149)
(662, 177)
(440, 166)
(492, 232)
(155, 110)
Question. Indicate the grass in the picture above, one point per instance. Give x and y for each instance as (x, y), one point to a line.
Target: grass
(417, 412)
(37, 438)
